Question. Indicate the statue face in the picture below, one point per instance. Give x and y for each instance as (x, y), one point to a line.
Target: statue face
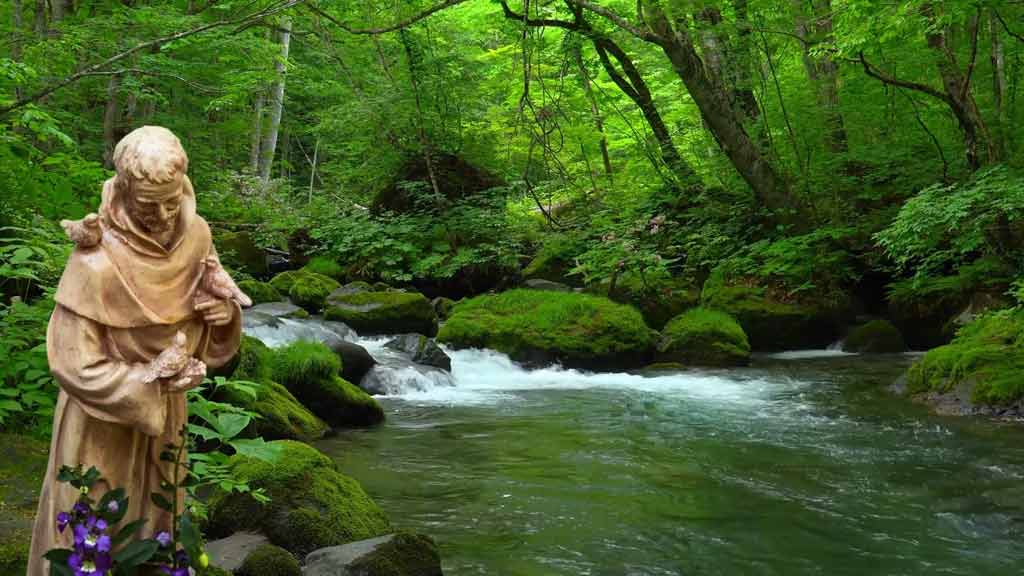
(155, 207)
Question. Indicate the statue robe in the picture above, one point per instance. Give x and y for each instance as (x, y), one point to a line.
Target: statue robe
(118, 306)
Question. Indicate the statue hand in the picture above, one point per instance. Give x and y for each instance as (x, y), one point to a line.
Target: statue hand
(190, 377)
(215, 311)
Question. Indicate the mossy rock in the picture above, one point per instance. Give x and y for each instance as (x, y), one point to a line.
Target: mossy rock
(253, 361)
(576, 330)
(442, 307)
(280, 415)
(382, 312)
(311, 371)
(703, 337)
(986, 357)
(772, 323)
(554, 260)
(239, 251)
(310, 291)
(658, 298)
(875, 337)
(283, 281)
(325, 266)
(311, 506)
(401, 554)
(260, 292)
(269, 560)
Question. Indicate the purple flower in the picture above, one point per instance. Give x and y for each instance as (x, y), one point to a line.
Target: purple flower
(103, 543)
(80, 509)
(174, 571)
(81, 533)
(181, 558)
(101, 525)
(113, 507)
(99, 565)
(164, 539)
(62, 521)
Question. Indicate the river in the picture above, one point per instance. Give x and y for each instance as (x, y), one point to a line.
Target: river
(801, 464)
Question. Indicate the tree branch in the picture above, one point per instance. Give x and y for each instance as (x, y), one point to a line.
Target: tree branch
(509, 14)
(397, 26)
(90, 70)
(975, 25)
(645, 35)
(1006, 27)
(874, 72)
(142, 72)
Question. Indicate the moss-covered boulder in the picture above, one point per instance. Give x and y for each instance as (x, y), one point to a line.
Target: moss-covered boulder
(238, 250)
(980, 368)
(382, 312)
(311, 506)
(576, 330)
(442, 307)
(401, 554)
(875, 337)
(703, 337)
(554, 260)
(659, 298)
(311, 371)
(326, 266)
(283, 281)
(269, 560)
(310, 291)
(213, 571)
(260, 292)
(774, 320)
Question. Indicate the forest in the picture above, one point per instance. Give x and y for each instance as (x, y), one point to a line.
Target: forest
(611, 187)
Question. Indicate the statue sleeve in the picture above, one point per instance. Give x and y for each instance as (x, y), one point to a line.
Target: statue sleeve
(222, 341)
(107, 389)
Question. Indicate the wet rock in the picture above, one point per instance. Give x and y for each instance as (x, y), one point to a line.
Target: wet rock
(422, 350)
(541, 284)
(355, 360)
(229, 553)
(875, 337)
(392, 555)
(382, 312)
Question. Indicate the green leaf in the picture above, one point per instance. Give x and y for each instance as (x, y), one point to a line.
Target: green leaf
(127, 531)
(136, 553)
(257, 448)
(230, 425)
(161, 501)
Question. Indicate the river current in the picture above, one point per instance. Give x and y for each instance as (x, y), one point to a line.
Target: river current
(801, 464)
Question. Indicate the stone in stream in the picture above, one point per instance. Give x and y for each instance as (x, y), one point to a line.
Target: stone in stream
(874, 337)
(422, 350)
(390, 312)
(355, 360)
(269, 560)
(399, 554)
(229, 553)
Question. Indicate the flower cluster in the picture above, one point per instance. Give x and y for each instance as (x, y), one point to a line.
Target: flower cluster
(91, 554)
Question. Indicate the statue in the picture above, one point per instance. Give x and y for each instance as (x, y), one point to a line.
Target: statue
(143, 308)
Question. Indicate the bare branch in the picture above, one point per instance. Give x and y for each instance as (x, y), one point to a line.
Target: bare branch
(974, 26)
(142, 72)
(392, 28)
(874, 72)
(89, 70)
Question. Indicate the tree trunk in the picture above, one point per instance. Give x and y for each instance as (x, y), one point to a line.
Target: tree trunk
(276, 102)
(40, 18)
(256, 133)
(594, 112)
(743, 79)
(60, 8)
(998, 59)
(425, 143)
(822, 71)
(16, 39)
(110, 121)
(718, 114)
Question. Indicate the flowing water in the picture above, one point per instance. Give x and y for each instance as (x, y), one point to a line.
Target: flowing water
(801, 464)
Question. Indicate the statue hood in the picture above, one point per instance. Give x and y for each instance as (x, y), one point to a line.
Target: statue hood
(130, 279)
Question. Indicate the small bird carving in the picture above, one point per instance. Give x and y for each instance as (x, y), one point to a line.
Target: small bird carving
(216, 282)
(171, 361)
(85, 233)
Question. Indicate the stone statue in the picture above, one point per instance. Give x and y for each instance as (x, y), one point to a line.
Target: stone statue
(143, 308)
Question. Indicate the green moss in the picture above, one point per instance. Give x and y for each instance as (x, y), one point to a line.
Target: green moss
(260, 292)
(877, 336)
(383, 312)
(403, 555)
(443, 307)
(987, 355)
(23, 462)
(238, 250)
(325, 266)
(283, 281)
(14, 548)
(269, 560)
(312, 505)
(659, 298)
(704, 337)
(253, 361)
(576, 329)
(281, 415)
(311, 371)
(310, 291)
(772, 323)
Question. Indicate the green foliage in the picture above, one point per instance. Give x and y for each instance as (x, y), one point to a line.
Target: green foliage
(260, 292)
(530, 325)
(304, 362)
(325, 266)
(404, 554)
(269, 560)
(704, 337)
(987, 355)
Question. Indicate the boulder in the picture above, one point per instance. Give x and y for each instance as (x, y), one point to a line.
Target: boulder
(228, 553)
(875, 337)
(269, 560)
(325, 266)
(773, 321)
(537, 328)
(311, 506)
(277, 310)
(310, 290)
(238, 250)
(355, 360)
(283, 281)
(659, 298)
(541, 284)
(703, 337)
(399, 554)
(260, 292)
(422, 350)
(382, 312)
(442, 307)
(311, 371)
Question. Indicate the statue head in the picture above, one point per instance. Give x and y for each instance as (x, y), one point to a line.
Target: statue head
(151, 166)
